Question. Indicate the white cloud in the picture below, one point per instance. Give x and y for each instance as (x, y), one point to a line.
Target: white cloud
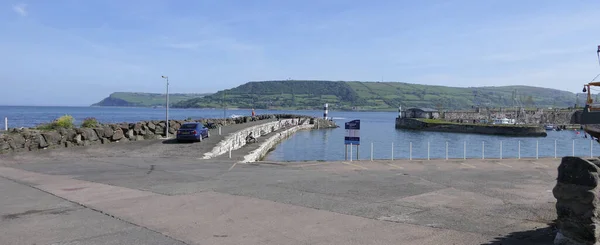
(20, 9)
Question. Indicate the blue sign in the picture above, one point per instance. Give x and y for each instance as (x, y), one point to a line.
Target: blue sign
(352, 132)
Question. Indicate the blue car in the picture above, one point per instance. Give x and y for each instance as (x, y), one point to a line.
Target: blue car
(192, 132)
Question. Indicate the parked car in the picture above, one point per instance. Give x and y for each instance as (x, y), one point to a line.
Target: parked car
(192, 132)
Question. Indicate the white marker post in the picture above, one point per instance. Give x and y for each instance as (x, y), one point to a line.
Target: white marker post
(5, 123)
(230, 151)
(392, 151)
(446, 150)
(501, 149)
(410, 150)
(371, 151)
(219, 130)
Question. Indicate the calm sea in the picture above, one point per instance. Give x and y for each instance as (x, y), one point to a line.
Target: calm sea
(376, 128)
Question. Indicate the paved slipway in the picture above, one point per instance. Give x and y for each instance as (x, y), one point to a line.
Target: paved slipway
(156, 192)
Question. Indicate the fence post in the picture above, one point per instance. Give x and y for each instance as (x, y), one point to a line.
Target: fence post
(392, 151)
(230, 151)
(427, 150)
(465, 150)
(371, 151)
(573, 147)
(410, 150)
(554, 148)
(482, 149)
(5, 123)
(446, 150)
(351, 152)
(536, 148)
(501, 149)
(219, 130)
(519, 151)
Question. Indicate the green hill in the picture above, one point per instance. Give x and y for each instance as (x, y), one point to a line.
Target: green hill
(377, 96)
(144, 99)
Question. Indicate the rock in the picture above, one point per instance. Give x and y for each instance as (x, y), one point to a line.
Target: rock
(118, 134)
(142, 131)
(68, 144)
(99, 132)
(159, 130)
(4, 146)
(124, 140)
(162, 124)
(88, 134)
(16, 141)
(76, 139)
(172, 131)
(149, 135)
(139, 137)
(151, 126)
(129, 134)
(108, 132)
(137, 128)
(104, 140)
(52, 137)
(40, 141)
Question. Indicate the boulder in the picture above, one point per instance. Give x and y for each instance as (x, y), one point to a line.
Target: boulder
(104, 140)
(159, 130)
(16, 141)
(99, 132)
(162, 124)
(149, 135)
(76, 138)
(88, 134)
(142, 131)
(137, 128)
(172, 131)
(4, 146)
(151, 126)
(139, 137)
(52, 137)
(118, 135)
(124, 140)
(68, 144)
(39, 141)
(108, 132)
(129, 134)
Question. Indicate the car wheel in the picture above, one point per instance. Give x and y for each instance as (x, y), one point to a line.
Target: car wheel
(207, 134)
(200, 138)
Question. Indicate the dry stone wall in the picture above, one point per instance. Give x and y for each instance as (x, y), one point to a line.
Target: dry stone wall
(577, 201)
(27, 139)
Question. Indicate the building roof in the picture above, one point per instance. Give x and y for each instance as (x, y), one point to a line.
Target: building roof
(423, 109)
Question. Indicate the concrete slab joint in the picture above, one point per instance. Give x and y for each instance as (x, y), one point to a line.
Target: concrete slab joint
(577, 201)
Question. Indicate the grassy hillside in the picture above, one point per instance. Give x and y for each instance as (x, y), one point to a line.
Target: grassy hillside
(144, 99)
(377, 96)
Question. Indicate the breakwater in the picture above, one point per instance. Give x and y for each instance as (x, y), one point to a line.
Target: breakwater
(537, 116)
(31, 139)
(440, 126)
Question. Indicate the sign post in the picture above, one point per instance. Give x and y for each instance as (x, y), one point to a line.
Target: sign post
(352, 136)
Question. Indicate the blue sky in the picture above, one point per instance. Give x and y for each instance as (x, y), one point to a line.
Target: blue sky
(76, 52)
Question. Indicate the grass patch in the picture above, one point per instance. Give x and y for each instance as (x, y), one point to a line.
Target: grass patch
(65, 121)
(90, 122)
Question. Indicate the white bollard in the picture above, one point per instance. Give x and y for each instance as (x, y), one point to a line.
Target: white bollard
(427, 150)
(536, 148)
(392, 151)
(371, 151)
(410, 151)
(465, 150)
(446, 150)
(219, 130)
(501, 149)
(519, 151)
(573, 147)
(482, 149)
(554, 148)
(5, 123)
(230, 151)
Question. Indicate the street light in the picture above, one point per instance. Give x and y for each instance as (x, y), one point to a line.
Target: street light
(167, 112)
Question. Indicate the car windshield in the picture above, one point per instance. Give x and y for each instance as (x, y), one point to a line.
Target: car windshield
(189, 126)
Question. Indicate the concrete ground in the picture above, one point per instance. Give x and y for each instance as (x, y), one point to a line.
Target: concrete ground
(156, 193)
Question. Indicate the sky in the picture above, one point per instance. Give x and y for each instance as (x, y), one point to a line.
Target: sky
(76, 52)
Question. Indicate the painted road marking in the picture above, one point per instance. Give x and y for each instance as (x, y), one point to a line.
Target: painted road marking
(395, 166)
(539, 164)
(232, 166)
(467, 165)
(358, 166)
(311, 164)
(505, 165)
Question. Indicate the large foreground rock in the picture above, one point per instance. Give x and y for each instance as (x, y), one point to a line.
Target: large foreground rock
(577, 201)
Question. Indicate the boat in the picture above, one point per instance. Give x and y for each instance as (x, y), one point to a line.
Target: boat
(549, 127)
(235, 116)
(590, 116)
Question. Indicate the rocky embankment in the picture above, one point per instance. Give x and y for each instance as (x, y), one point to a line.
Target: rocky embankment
(29, 139)
(507, 130)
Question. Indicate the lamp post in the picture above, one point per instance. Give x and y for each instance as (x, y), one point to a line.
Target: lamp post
(167, 110)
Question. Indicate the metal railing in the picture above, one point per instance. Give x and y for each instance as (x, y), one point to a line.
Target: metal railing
(502, 149)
